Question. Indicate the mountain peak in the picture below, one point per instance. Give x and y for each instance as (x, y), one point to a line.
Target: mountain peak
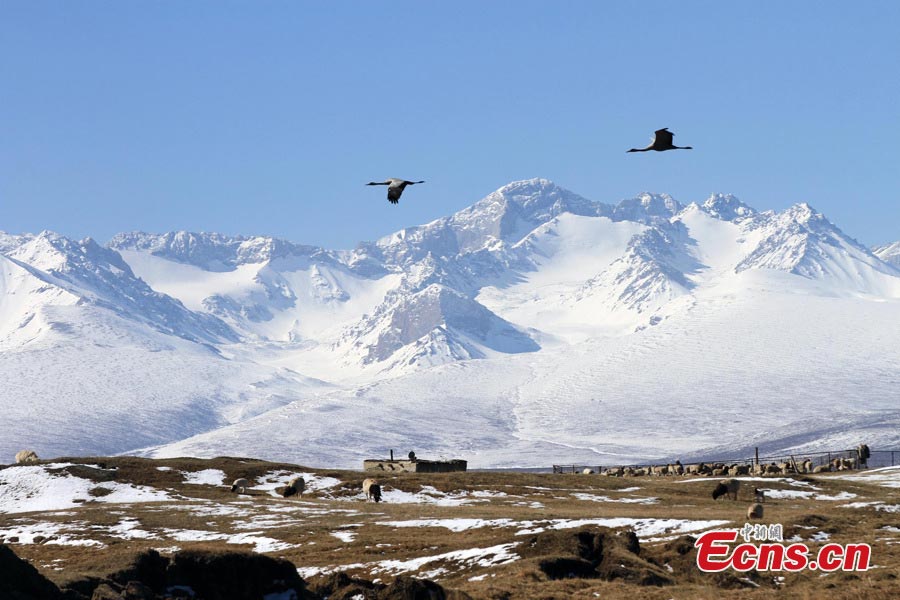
(541, 199)
(802, 212)
(211, 251)
(726, 207)
(647, 207)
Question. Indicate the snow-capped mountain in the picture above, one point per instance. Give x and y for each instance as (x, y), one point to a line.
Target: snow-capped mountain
(550, 318)
(889, 253)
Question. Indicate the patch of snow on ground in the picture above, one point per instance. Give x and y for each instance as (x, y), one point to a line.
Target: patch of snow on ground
(880, 506)
(45, 487)
(595, 498)
(53, 532)
(469, 558)
(788, 494)
(644, 528)
(128, 529)
(205, 477)
(651, 529)
(344, 536)
(838, 496)
(275, 479)
(427, 495)
(451, 524)
(885, 477)
(860, 504)
(260, 543)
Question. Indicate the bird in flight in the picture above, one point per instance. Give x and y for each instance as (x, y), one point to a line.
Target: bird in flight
(662, 140)
(395, 187)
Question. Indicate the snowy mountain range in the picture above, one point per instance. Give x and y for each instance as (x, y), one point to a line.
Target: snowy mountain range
(533, 327)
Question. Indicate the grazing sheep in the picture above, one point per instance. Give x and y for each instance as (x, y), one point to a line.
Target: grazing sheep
(772, 469)
(26, 456)
(588, 471)
(759, 495)
(737, 470)
(372, 490)
(240, 484)
(727, 487)
(755, 511)
(296, 486)
(678, 469)
(822, 469)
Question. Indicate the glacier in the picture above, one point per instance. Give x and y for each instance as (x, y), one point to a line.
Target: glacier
(533, 327)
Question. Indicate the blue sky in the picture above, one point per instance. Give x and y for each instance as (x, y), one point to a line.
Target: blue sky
(268, 117)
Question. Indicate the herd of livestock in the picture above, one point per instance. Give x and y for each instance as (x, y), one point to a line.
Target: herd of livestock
(721, 469)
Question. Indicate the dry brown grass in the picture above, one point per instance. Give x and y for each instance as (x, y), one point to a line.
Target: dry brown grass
(312, 519)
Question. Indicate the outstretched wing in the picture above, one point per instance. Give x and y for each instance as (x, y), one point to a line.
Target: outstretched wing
(663, 137)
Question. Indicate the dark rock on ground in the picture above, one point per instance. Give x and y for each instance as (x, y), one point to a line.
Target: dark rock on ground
(410, 588)
(233, 575)
(340, 586)
(19, 580)
(602, 553)
(148, 567)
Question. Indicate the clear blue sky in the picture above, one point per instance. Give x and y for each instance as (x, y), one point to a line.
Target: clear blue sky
(268, 117)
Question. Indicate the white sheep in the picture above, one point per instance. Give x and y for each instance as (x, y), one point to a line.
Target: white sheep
(26, 456)
(296, 486)
(755, 511)
(372, 490)
(240, 484)
(588, 471)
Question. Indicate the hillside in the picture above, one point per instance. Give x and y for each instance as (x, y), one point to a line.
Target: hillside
(532, 327)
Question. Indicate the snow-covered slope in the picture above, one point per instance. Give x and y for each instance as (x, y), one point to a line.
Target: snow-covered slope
(534, 326)
(889, 253)
(94, 361)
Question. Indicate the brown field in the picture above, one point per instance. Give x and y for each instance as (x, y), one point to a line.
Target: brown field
(332, 529)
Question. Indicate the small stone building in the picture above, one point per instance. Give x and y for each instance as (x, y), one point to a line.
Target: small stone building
(413, 466)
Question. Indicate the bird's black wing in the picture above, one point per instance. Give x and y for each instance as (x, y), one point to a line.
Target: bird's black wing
(663, 137)
(394, 194)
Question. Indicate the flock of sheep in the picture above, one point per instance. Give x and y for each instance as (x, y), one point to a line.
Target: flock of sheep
(732, 470)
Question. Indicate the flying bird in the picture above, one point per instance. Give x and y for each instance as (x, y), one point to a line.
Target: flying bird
(662, 140)
(395, 187)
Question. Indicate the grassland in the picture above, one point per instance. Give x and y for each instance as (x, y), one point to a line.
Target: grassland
(490, 535)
